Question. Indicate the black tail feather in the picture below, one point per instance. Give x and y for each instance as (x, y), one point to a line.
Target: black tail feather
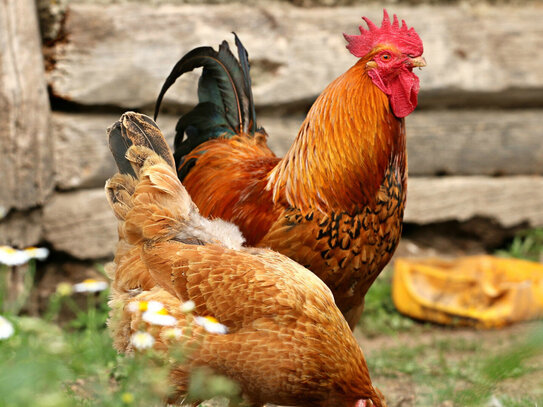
(226, 105)
(226, 82)
(245, 67)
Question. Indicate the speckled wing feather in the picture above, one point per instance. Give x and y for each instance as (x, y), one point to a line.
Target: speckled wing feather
(347, 251)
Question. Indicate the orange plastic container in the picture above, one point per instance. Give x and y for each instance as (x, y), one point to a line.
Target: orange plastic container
(481, 291)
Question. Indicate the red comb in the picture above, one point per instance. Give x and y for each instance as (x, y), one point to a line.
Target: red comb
(403, 37)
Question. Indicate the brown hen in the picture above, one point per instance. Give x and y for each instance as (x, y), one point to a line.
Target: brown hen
(286, 342)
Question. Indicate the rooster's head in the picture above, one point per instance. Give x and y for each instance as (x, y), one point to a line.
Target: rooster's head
(390, 53)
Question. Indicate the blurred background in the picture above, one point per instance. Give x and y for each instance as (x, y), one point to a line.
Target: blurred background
(68, 69)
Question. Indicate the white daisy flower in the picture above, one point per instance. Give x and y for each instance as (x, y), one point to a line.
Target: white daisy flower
(142, 306)
(142, 340)
(159, 317)
(172, 333)
(39, 253)
(211, 325)
(187, 306)
(90, 286)
(154, 306)
(13, 257)
(6, 328)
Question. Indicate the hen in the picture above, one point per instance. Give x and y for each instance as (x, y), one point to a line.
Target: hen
(335, 202)
(286, 342)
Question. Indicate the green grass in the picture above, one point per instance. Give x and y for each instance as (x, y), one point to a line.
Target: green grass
(528, 245)
(454, 370)
(513, 363)
(464, 372)
(44, 365)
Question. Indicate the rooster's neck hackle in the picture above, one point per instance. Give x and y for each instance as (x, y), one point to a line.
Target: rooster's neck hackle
(348, 140)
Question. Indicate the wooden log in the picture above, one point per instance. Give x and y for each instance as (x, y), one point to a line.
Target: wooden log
(456, 142)
(26, 165)
(475, 142)
(82, 157)
(82, 224)
(120, 54)
(22, 228)
(508, 200)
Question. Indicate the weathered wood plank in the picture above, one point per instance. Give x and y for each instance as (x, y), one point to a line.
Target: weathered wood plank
(21, 229)
(485, 142)
(509, 200)
(26, 165)
(82, 157)
(475, 142)
(81, 223)
(120, 53)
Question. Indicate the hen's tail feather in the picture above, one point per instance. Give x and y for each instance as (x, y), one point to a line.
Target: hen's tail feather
(225, 107)
(159, 205)
(119, 191)
(136, 129)
(130, 138)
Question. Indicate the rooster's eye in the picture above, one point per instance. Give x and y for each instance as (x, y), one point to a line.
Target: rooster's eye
(386, 57)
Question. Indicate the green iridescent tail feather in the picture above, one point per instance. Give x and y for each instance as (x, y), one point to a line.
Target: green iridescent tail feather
(225, 100)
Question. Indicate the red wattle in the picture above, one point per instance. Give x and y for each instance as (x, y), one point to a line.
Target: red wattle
(403, 93)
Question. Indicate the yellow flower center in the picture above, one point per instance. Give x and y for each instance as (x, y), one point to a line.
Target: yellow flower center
(212, 319)
(90, 281)
(163, 311)
(143, 305)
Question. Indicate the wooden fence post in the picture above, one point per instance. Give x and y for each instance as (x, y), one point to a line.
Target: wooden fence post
(26, 147)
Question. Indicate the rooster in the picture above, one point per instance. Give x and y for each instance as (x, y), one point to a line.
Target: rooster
(286, 342)
(335, 202)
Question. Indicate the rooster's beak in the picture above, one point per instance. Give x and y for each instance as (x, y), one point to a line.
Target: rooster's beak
(418, 61)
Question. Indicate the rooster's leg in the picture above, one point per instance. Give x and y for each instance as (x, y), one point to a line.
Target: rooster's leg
(353, 315)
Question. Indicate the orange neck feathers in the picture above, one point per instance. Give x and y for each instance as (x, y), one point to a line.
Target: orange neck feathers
(348, 140)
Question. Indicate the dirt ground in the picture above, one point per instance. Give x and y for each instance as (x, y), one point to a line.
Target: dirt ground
(437, 366)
